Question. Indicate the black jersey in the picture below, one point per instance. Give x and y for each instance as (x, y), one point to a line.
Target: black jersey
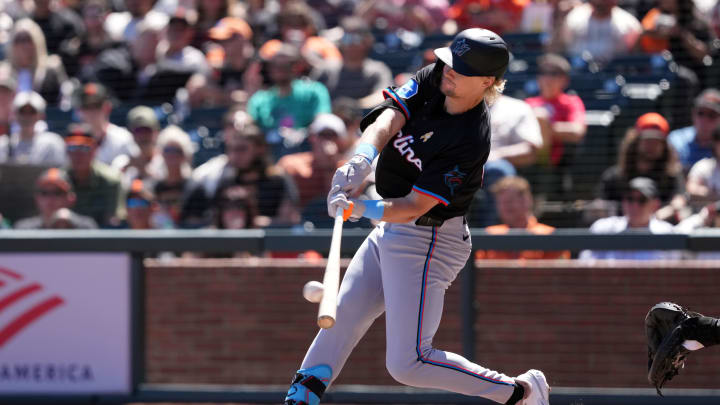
(435, 153)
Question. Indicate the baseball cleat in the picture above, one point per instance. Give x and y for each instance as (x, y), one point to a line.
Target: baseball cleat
(539, 388)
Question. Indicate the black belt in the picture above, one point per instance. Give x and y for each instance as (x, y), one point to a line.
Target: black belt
(427, 220)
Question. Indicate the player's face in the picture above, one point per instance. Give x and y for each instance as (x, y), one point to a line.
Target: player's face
(455, 85)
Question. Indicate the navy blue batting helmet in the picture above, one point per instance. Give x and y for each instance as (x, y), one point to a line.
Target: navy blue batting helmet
(476, 52)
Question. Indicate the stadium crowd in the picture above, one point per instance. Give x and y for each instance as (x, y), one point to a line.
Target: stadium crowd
(230, 114)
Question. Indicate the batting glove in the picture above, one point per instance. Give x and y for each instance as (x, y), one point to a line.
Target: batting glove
(350, 176)
(337, 198)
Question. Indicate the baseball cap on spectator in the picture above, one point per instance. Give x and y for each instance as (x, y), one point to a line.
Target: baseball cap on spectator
(142, 117)
(139, 195)
(644, 186)
(80, 134)
(328, 122)
(709, 99)
(227, 27)
(54, 177)
(652, 125)
(553, 63)
(92, 95)
(29, 98)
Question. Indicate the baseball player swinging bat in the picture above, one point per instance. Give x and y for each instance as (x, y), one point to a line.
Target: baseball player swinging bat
(331, 279)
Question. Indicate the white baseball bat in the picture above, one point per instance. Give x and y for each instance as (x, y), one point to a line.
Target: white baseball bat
(331, 279)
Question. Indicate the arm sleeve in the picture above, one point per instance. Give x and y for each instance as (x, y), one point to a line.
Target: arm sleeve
(410, 97)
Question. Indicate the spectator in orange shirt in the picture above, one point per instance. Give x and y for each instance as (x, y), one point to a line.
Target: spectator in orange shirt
(514, 203)
(496, 15)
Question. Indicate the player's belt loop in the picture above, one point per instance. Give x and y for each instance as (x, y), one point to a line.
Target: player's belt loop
(311, 382)
(427, 220)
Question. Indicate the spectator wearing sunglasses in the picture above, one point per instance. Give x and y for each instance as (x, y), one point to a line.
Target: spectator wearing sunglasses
(54, 192)
(695, 142)
(176, 150)
(141, 207)
(357, 77)
(29, 144)
(97, 186)
(640, 202)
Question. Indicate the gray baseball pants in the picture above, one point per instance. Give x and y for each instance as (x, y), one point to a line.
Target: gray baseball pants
(404, 270)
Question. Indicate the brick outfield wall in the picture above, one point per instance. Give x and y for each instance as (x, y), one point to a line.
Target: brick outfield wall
(244, 321)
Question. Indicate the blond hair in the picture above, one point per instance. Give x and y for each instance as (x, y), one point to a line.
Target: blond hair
(494, 92)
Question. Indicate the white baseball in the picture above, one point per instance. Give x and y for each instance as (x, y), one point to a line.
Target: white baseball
(313, 291)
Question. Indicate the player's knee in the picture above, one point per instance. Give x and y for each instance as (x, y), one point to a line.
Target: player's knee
(405, 372)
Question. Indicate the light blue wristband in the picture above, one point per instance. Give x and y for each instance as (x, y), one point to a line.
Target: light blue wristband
(366, 150)
(374, 209)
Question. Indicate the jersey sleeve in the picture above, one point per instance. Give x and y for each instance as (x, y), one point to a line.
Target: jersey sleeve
(410, 97)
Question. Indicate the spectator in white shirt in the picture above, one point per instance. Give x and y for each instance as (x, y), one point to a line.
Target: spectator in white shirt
(703, 182)
(639, 205)
(515, 141)
(94, 108)
(27, 144)
(599, 27)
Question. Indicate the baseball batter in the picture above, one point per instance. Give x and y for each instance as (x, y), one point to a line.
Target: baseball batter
(434, 136)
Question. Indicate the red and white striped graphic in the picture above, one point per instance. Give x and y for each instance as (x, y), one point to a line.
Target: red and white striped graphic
(22, 302)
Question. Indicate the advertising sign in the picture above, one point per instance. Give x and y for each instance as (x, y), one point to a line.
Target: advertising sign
(65, 323)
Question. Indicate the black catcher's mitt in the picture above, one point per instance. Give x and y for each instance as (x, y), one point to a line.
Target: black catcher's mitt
(667, 326)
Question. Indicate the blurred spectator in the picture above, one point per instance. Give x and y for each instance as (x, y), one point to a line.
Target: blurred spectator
(141, 206)
(645, 151)
(246, 160)
(80, 54)
(148, 163)
(59, 24)
(286, 109)
(333, 11)
(175, 52)
(514, 203)
(695, 142)
(349, 110)
(297, 28)
(27, 144)
(8, 85)
(707, 218)
(177, 151)
(395, 17)
(598, 27)
(358, 76)
(499, 16)
(561, 115)
(703, 182)
(32, 67)
(639, 204)
(54, 191)
(235, 75)
(516, 138)
(545, 15)
(678, 26)
(312, 171)
(236, 206)
(128, 70)
(97, 186)
(209, 14)
(94, 108)
(123, 25)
